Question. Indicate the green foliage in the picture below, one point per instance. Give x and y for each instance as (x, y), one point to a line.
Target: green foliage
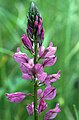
(61, 23)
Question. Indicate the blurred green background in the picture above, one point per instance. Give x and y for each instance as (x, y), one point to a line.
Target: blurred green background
(61, 23)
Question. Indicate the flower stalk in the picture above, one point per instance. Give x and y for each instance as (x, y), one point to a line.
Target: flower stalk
(35, 85)
(35, 101)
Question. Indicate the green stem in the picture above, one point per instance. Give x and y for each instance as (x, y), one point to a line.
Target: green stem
(35, 85)
(35, 102)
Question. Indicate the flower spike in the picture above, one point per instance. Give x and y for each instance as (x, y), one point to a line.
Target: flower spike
(33, 68)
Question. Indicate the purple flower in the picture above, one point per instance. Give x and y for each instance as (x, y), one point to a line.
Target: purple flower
(27, 69)
(51, 114)
(48, 52)
(16, 97)
(42, 106)
(42, 77)
(49, 61)
(20, 57)
(51, 51)
(52, 78)
(26, 76)
(39, 93)
(30, 109)
(47, 55)
(26, 41)
(49, 93)
(38, 68)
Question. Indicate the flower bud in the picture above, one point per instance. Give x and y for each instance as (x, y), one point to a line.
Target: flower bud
(26, 41)
(42, 106)
(30, 109)
(35, 27)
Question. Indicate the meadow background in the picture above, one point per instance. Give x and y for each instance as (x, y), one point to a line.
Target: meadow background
(61, 23)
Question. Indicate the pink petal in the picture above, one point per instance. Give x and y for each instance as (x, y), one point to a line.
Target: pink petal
(39, 93)
(52, 78)
(30, 109)
(51, 114)
(25, 68)
(51, 44)
(41, 51)
(49, 93)
(26, 76)
(42, 76)
(39, 68)
(42, 106)
(42, 34)
(51, 52)
(20, 57)
(49, 61)
(16, 97)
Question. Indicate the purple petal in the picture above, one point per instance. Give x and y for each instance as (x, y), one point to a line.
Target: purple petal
(48, 52)
(26, 41)
(30, 109)
(49, 93)
(51, 114)
(30, 28)
(42, 77)
(25, 68)
(36, 22)
(41, 51)
(20, 57)
(51, 44)
(16, 97)
(49, 61)
(26, 76)
(55, 77)
(51, 52)
(52, 78)
(18, 49)
(39, 68)
(42, 106)
(39, 93)
(43, 54)
(37, 17)
(42, 34)
(56, 109)
(47, 80)
(39, 27)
